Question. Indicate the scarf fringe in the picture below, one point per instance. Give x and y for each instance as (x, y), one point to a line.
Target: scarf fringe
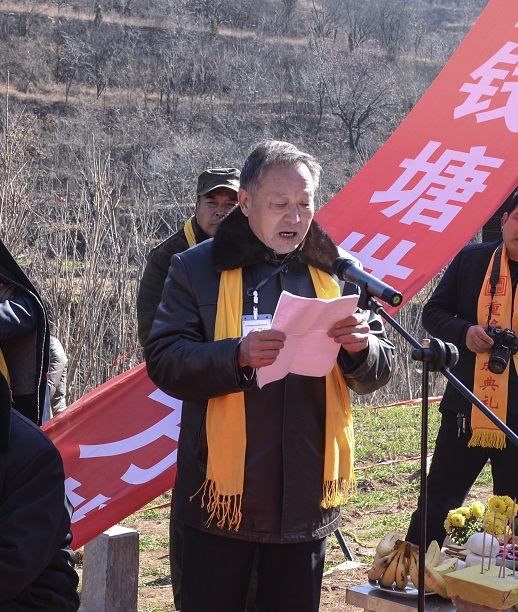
(226, 509)
(488, 439)
(336, 492)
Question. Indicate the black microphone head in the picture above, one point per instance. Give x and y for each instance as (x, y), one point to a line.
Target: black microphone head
(393, 297)
(348, 270)
(340, 265)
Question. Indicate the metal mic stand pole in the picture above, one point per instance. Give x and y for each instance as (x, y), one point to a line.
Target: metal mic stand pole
(436, 356)
(366, 301)
(423, 492)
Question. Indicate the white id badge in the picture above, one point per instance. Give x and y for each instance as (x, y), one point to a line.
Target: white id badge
(249, 324)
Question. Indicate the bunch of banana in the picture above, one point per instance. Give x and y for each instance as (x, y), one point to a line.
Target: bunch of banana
(433, 571)
(392, 566)
(396, 560)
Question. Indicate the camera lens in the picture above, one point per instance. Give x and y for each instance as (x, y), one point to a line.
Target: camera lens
(498, 359)
(496, 366)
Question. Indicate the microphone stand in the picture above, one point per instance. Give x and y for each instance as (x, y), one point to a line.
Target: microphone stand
(436, 356)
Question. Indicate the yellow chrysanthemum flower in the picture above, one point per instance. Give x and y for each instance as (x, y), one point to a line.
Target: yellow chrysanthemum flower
(494, 524)
(462, 522)
(497, 504)
(501, 516)
(512, 508)
(464, 510)
(457, 519)
(448, 517)
(477, 509)
(509, 513)
(499, 527)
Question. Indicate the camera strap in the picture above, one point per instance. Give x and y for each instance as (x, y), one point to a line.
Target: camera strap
(494, 278)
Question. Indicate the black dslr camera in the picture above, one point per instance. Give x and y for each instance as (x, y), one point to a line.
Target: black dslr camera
(505, 345)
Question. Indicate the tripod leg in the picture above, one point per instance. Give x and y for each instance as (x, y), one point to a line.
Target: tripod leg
(343, 545)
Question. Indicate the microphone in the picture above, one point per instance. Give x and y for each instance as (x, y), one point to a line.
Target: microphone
(346, 269)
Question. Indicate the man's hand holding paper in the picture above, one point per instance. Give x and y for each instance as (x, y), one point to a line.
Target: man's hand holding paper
(260, 348)
(352, 333)
(314, 330)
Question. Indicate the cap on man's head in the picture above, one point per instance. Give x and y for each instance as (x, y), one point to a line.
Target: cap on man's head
(218, 177)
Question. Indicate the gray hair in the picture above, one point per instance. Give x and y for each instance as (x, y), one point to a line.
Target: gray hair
(273, 153)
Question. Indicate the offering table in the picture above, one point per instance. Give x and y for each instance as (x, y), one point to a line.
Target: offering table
(373, 599)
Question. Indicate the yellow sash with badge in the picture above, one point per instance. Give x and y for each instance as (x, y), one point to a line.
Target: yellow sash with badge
(492, 389)
(222, 490)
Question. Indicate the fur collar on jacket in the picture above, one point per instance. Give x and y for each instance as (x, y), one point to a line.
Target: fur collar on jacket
(236, 246)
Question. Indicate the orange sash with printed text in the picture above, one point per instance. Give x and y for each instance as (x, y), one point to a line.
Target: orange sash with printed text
(492, 389)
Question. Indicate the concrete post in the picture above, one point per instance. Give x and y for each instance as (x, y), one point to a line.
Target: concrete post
(110, 572)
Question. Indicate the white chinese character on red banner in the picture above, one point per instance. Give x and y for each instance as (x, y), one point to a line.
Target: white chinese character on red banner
(168, 427)
(426, 188)
(389, 265)
(488, 80)
(81, 509)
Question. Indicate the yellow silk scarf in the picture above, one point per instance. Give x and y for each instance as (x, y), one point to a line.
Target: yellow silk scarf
(492, 389)
(189, 232)
(222, 490)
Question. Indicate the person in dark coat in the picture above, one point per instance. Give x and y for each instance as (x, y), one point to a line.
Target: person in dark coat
(216, 196)
(25, 345)
(459, 311)
(260, 470)
(36, 561)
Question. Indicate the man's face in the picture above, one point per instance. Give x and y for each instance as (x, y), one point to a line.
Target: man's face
(510, 233)
(281, 209)
(213, 207)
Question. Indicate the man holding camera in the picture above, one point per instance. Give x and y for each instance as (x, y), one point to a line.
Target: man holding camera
(474, 307)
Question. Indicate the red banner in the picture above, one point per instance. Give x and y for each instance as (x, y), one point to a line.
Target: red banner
(118, 445)
(447, 168)
(436, 181)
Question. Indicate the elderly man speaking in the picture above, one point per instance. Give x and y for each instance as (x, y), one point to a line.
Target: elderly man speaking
(259, 469)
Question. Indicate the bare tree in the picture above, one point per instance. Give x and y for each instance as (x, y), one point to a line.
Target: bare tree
(69, 60)
(358, 91)
(360, 20)
(19, 148)
(392, 25)
(326, 19)
(88, 283)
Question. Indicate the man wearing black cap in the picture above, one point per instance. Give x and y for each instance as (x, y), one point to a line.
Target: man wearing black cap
(216, 197)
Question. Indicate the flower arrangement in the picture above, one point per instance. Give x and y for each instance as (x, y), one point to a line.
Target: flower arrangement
(462, 522)
(501, 510)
